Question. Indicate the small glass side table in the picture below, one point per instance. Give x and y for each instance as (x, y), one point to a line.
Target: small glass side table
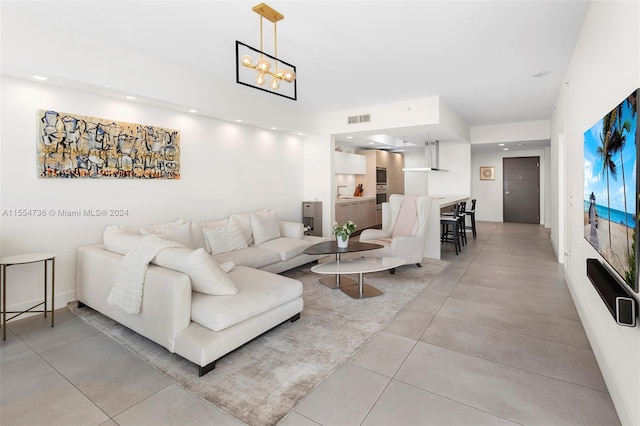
(21, 259)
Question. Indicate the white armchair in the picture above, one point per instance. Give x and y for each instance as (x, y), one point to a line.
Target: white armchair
(404, 229)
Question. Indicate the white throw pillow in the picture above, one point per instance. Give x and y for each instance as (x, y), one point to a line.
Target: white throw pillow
(223, 239)
(243, 221)
(264, 225)
(197, 232)
(206, 274)
(178, 233)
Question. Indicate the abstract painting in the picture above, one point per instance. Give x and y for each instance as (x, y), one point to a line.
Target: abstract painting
(76, 146)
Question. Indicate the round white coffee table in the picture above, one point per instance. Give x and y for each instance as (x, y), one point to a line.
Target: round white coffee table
(331, 247)
(359, 266)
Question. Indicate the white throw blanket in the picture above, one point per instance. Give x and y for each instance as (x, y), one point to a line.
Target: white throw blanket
(126, 292)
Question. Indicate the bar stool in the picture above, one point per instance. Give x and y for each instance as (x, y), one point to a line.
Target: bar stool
(462, 218)
(472, 218)
(450, 229)
(462, 225)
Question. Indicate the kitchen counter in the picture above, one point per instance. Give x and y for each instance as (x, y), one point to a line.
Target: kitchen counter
(349, 199)
(449, 200)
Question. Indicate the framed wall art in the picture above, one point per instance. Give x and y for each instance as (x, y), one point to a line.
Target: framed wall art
(77, 146)
(487, 173)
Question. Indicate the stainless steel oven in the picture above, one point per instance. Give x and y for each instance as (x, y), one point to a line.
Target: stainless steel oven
(381, 195)
(381, 175)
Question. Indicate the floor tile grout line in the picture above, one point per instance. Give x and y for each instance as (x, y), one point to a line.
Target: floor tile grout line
(456, 401)
(521, 334)
(511, 308)
(513, 333)
(516, 367)
(415, 343)
(163, 374)
(59, 373)
(516, 333)
(478, 284)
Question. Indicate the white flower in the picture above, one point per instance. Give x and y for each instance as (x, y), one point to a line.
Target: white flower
(344, 230)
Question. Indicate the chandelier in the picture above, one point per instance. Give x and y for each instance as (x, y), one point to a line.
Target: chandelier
(264, 66)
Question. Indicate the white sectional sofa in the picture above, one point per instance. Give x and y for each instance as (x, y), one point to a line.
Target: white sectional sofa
(216, 291)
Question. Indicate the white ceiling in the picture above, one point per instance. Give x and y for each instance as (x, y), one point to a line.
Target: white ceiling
(480, 57)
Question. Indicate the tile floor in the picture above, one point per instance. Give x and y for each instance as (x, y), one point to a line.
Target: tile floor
(495, 339)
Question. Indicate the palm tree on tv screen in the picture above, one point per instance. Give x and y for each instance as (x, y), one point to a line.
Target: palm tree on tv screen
(605, 152)
(618, 140)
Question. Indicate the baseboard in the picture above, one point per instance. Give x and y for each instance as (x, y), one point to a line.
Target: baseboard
(559, 258)
(61, 300)
(625, 413)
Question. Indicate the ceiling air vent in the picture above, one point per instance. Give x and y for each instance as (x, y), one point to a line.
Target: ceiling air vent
(359, 119)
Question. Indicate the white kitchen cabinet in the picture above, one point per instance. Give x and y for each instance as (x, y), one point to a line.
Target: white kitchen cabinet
(350, 164)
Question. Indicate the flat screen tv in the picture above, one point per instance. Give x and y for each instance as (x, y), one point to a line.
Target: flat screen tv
(611, 195)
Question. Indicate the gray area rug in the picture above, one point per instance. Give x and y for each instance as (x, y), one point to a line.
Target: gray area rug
(262, 381)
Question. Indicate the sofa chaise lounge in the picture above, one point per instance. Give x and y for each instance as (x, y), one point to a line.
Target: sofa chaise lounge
(212, 293)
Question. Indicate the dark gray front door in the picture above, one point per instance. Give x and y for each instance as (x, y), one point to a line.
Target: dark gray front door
(521, 189)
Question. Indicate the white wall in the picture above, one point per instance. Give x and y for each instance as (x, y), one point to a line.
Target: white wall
(604, 69)
(488, 193)
(511, 132)
(225, 168)
(455, 156)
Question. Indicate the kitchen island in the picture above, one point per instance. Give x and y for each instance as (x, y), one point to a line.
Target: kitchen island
(432, 244)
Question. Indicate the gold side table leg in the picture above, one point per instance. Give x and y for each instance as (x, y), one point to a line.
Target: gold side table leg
(45, 288)
(53, 288)
(3, 272)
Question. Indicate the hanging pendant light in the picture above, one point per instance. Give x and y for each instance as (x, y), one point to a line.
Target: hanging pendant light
(429, 165)
(263, 65)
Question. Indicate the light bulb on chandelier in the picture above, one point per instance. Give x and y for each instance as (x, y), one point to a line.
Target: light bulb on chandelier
(260, 79)
(263, 65)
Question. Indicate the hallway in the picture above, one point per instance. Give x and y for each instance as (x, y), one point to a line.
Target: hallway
(494, 339)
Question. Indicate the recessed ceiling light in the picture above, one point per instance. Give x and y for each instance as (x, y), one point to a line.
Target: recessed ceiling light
(540, 74)
(193, 110)
(39, 77)
(372, 143)
(519, 144)
(130, 97)
(274, 128)
(505, 149)
(238, 121)
(500, 144)
(300, 134)
(349, 137)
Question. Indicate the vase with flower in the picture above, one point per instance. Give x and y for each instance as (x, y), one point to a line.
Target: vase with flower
(342, 232)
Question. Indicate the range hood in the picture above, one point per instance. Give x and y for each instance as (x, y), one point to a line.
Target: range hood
(429, 164)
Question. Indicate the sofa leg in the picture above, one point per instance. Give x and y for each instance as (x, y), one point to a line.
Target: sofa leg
(418, 265)
(295, 318)
(392, 271)
(204, 370)
(80, 304)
